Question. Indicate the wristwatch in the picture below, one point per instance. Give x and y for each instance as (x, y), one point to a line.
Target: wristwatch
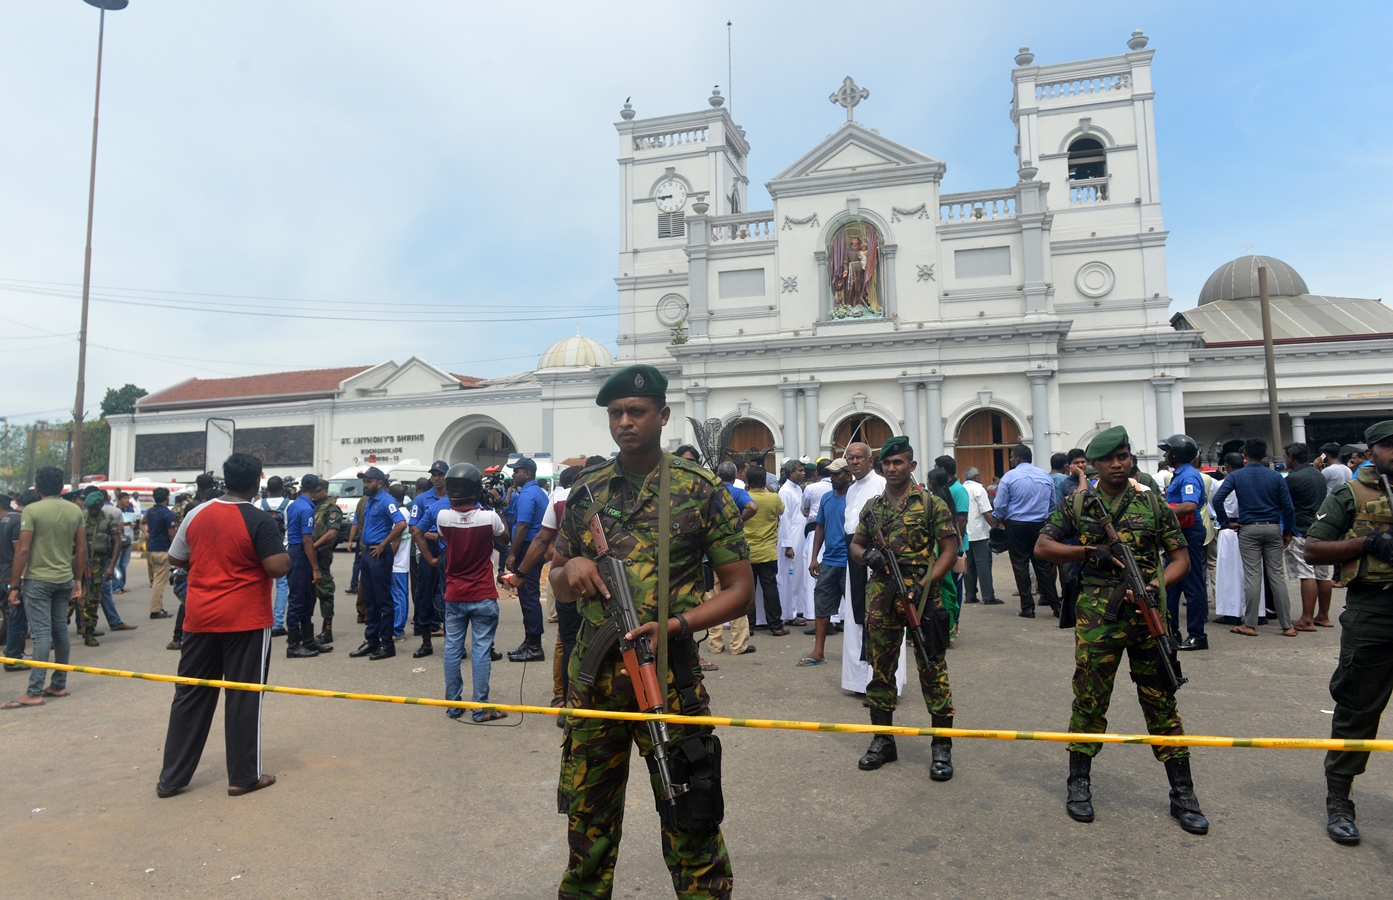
(686, 632)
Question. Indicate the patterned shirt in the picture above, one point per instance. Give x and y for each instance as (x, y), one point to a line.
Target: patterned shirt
(913, 525)
(1148, 528)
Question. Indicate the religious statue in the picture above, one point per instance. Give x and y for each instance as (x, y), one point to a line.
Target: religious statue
(853, 258)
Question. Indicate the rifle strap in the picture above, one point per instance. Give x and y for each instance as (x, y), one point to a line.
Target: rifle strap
(664, 565)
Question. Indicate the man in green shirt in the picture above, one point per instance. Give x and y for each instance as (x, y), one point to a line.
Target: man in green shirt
(762, 533)
(1354, 529)
(51, 557)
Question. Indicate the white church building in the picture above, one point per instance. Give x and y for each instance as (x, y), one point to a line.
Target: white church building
(866, 303)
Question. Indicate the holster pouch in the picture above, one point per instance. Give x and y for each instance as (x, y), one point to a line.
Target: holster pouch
(1157, 680)
(695, 760)
(934, 628)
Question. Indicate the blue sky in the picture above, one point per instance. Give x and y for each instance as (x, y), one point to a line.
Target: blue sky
(443, 174)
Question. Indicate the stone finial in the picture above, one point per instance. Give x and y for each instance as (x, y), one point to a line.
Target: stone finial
(1027, 172)
(700, 207)
(1025, 57)
(1138, 41)
(627, 112)
(716, 99)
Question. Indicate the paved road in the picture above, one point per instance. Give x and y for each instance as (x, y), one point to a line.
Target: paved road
(385, 800)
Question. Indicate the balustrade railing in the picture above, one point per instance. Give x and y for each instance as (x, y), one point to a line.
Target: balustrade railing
(1088, 190)
(976, 206)
(1079, 87)
(755, 226)
(670, 138)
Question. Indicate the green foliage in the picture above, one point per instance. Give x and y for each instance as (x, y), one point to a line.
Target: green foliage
(121, 400)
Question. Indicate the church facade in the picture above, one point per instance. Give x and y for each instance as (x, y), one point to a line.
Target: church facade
(867, 302)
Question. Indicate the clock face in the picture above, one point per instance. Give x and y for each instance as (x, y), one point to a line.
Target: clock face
(671, 196)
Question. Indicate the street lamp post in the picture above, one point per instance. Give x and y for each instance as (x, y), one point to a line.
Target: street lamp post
(103, 5)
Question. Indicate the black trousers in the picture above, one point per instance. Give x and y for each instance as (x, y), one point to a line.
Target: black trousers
(568, 622)
(858, 575)
(428, 617)
(231, 656)
(1020, 544)
(767, 574)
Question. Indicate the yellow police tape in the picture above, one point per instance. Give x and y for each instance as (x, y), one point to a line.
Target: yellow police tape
(1158, 740)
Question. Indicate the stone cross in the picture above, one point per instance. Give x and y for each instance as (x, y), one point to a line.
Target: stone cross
(849, 96)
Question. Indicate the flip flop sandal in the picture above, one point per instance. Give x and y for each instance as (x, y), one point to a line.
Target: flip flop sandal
(709, 666)
(1239, 630)
(15, 704)
(1290, 632)
(807, 661)
(490, 715)
(50, 692)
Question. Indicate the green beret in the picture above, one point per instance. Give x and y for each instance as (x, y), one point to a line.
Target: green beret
(896, 445)
(1107, 442)
(95, 498)
(1379, 431)
(633, 381)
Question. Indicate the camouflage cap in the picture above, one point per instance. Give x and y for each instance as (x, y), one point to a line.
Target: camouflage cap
(633, 381)
(1378, 432)
(1107, 442)
(896, 445)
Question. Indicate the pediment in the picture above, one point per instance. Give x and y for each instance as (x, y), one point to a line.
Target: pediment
(856, 150)
(368, 378)
(415, 376)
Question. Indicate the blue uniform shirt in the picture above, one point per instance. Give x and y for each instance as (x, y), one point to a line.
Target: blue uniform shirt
(421, 504)
(430, 516)
(299, 520)
(532, 506)
(380, 515)
(1187, 486)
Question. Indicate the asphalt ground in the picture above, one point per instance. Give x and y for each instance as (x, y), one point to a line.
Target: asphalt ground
(378, 800)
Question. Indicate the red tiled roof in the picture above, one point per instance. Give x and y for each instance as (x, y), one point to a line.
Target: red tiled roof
(198, 391)
(468, 381)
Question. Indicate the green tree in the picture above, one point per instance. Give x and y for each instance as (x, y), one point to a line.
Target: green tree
(121, 400)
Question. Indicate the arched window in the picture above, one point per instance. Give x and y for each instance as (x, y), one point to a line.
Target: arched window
(1087, 160)
(752, 434)
(862, 428)
(984, 442)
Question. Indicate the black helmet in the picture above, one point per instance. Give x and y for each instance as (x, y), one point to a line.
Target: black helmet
(464, 482)
(1181, 446)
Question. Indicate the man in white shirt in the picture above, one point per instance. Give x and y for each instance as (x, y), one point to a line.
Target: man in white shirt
(792, 562)
(275, 501)
(856, 672)
(979, 551)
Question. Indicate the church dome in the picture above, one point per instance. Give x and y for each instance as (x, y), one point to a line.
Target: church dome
(1238, 280)
(575, 352)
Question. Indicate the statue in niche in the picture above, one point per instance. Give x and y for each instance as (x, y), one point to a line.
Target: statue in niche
(854, 257)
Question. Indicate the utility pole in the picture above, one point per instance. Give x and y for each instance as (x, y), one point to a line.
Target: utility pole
(1271, 360)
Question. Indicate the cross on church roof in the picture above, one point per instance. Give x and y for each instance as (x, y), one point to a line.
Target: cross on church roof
(849, 96)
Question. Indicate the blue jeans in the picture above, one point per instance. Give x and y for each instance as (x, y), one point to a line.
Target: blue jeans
(113, 618)
(282, 594)
(123, 562)
(401, 587)
(46, 605)
(458, 616)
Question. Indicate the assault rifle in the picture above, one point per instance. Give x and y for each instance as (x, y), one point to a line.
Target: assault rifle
(639, 659)
(922, 636)
(1135, 582)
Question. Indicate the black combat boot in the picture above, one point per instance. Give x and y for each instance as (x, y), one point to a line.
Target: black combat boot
(1079, 801)
(327, 635)
(308, 639)
(1339, 810)
(529, 651)
(426, 648)
(941, 748)
(494, 654)
(1185, 806)
(882, 749)
(295, 646)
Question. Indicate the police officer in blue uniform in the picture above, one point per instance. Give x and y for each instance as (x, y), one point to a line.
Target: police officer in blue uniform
(383, 522)
(430, 594)
(304, 573)
(1186, 495)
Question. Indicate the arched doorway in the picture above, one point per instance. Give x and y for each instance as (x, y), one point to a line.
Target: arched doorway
(863, 428)
(752, 434)
(984, 442)
(483, 445)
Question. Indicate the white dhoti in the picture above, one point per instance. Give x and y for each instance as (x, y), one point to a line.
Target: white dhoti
(855, 673)
(1228, 577)
(793, 574)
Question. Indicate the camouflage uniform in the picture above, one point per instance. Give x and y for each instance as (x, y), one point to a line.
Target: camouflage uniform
(103, 542)
(596, 752)
(327, 517)
(1150, 528)
(913, 526)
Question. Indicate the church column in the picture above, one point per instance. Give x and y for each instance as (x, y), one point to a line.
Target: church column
(1040, 415)
(812, 428)
(824, 287)
(933, 416)
(1165, 407)
(697, 247)
(790, 439)
(910, 388)
(697, 405)
(1298, 427)
(887, 280)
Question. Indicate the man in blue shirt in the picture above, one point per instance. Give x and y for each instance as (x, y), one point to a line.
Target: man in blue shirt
(304, 575)
(429, 586)
(1186, 495)
(830, 539)
(1266, 524)
(531, 507)
(383, 522)
(1024, 499)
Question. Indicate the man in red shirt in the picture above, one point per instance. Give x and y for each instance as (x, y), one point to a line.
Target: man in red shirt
(233, 553)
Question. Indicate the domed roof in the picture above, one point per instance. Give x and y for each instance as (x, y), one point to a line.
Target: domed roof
(1238, 280)
(574, 352)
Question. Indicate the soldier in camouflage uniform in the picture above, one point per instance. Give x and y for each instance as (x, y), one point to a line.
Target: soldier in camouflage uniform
(328, 519)
(1143, 520)
(1354, 528)
(918, 529)
(103, 546)
(626, 493)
